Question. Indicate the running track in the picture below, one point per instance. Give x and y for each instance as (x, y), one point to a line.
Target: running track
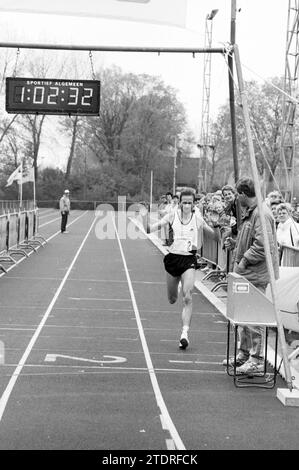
(92, 358)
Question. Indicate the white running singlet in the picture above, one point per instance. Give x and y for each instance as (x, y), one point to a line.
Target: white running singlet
(185, 236)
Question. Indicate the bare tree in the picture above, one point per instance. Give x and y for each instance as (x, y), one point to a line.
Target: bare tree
(74, 122)
(5, 126)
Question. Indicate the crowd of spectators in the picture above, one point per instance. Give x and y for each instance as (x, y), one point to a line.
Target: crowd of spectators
(220, 209)
(235, 216)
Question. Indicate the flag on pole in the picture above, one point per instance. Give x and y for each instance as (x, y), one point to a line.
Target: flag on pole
(28, 173)
(15, 176)
(171, 12)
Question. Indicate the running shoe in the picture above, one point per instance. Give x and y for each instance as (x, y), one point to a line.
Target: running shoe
(239, 361)
(184, 341)
(251, 368)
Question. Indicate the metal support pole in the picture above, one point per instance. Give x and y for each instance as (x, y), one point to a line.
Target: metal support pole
(232, 92)
(85, 174)
(262, 217)
(151, 192)
(174, 168)
(20, 183)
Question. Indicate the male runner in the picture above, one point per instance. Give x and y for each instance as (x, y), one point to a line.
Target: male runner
(180, 262)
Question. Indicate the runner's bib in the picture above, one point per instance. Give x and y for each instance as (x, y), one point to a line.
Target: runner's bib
(185, 236)
(182, 245)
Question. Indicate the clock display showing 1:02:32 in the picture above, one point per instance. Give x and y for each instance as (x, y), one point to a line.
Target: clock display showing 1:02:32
(52, 96)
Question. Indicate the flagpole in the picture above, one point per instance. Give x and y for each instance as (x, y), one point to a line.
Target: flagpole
(21, 186)
(151, 192)
(34, 194)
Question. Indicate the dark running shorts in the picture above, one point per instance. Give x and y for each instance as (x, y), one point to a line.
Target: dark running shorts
(176, 265)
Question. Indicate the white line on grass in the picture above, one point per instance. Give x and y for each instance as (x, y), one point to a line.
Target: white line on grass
(175, 438)
(7, 392)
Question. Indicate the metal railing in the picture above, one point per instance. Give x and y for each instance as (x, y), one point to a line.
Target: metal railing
(14, 206)
(18, 232)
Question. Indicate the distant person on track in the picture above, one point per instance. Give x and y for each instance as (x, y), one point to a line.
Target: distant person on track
(249, 260)
(65, 207)
(180, 262)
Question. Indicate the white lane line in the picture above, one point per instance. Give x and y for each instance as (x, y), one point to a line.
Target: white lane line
(69, 224)
(105, 281)
(111, 327)
(59, 218)
(21, 329)
(94, 310)
(127, 339)
(115, 281)
(99, 298)
(195, 362)
(7, 392)
(50, 222)
(44, 214)
(163, 424)
(182, 362)
(120, 351)
(149, 282)
(47, 239)
(159, 398)
(36, 278)
(170, 444)
(111, 369)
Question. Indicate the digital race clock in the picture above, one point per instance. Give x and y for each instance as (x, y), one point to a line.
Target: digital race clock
(52, 96)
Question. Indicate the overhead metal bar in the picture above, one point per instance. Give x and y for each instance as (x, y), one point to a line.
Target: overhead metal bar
(76, 47)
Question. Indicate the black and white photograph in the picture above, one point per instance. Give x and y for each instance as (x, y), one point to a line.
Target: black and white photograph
(149, 230)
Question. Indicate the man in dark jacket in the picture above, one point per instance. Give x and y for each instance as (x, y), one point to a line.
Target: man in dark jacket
(230, 201)
(64, 206)
(249, 260)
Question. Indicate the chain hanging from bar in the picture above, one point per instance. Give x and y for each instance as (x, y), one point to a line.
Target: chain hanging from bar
(92, 66)
(14, 74)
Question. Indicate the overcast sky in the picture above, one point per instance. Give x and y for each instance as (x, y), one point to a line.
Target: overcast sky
(261, 29)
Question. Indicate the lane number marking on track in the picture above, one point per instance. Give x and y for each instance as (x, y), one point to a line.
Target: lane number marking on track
(113, 359)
